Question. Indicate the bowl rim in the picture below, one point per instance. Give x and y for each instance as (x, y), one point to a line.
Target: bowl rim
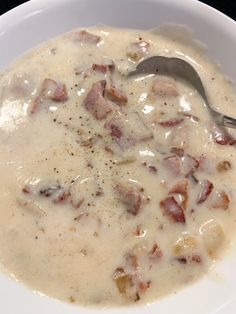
(10, 19)
(32, 7)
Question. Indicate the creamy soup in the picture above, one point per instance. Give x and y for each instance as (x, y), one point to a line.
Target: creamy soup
(114, 190)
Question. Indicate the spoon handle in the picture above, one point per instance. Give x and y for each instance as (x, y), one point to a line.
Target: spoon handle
(229, 122)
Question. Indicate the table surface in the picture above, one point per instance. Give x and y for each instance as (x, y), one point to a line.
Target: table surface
(226, 6)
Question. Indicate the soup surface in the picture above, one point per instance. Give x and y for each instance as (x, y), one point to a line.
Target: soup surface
(114, 190)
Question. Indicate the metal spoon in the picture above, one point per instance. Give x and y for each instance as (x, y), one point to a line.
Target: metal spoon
(182, 69)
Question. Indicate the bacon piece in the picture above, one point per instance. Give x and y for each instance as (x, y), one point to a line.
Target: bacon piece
(130, 197)
(181, 188)
(171, 208)
(95, 103)
(116, 95)
(155, 252)
(54, 90)
(142, 45)
(221, 201)
(192, 177)
(129, 129)
(62, 197)
(27, 189)
(115, 129)
(163, 88)
(150, 167)
(132, 261)
(48, 191)
(178, 151)
(170, 123)
(180, 136)
(182, 260)
(189, 164)
(138, 50)
(86, 37)
(172, 163)
(103, 68)
(188, 259)
(143, 286)
(205, 164)
(50, 90)
(139, 232)
(207, 188)
(221, 136)
(36, 103)
(196, 258)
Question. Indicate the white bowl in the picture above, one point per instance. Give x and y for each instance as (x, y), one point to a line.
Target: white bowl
(37, 21)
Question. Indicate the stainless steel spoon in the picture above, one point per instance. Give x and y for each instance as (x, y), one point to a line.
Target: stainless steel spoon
(182, 69)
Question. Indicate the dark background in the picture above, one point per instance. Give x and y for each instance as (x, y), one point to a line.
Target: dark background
(226, 6)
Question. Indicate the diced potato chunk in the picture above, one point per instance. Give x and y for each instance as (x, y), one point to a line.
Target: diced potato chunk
(185, 245)
(213, 237)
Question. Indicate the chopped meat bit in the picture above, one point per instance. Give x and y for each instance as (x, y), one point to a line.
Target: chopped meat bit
(150, 167)
(196, 258)
(155, 252)
(116, 95)
(27, 189)
(171, 208)
(86, 37)
(172, 163)
(221, 136)
(139, 232)
(206, 190)
(144, 285)
(54, 90)
(182, 260)
(62, 197)
(170, 123)
(36, 103)
(221, 201)
(205, 164)
(192, 177)
(188, 259)
(109, 150)
(189, 164)
(95, 103)
(103, 68)
(115, 131)
(137, 50)
(180, 136)
(142, 46)
(128, 130)
(130, 197)
(223, 166)
(181, 187)
(178, 151)
(163, 88)
(132, 261)
(49, 190)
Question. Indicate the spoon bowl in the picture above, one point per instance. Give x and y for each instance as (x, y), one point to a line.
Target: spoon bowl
(183, 70)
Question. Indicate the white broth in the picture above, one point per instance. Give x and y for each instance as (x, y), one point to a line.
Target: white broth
(114, 190)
